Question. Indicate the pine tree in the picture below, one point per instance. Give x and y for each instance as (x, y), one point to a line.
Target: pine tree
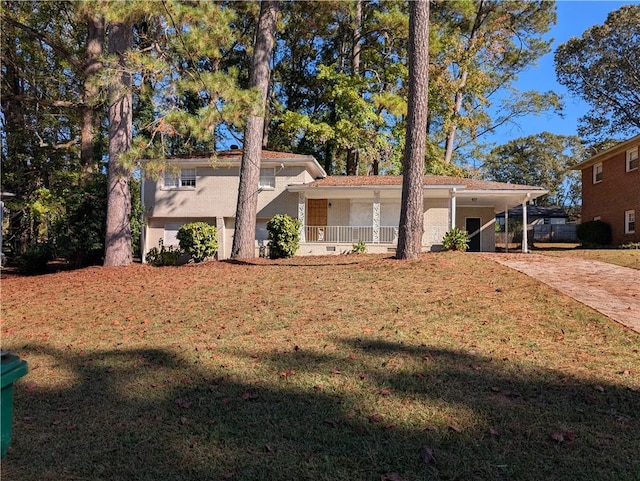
(118, 251)
(245, 229)
(411, 225)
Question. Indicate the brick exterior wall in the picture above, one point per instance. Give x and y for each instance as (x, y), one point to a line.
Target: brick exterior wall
(618, 192)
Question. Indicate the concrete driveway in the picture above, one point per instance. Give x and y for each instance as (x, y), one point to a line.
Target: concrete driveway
(612, 290)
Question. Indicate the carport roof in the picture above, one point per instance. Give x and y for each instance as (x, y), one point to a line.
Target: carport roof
(429, 180)
(468, 192)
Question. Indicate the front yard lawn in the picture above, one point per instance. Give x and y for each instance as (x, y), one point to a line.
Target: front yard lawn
(355, 367)
(620, 257)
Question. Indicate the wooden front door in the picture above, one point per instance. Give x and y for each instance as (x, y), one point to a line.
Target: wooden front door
(316, 217)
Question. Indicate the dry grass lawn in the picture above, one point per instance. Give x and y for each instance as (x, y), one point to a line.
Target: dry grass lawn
(620, 257)
(336, 368)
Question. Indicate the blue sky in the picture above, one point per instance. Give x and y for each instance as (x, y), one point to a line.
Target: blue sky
(573, 18)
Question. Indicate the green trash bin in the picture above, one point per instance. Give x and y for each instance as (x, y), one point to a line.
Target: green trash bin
(12, 368)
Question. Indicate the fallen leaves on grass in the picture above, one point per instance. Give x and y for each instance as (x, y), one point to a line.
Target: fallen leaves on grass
(375, 418)
(426, 455)
(331, 422)
(390, 477)
(562, 436)
(183, 403)
(249, 396)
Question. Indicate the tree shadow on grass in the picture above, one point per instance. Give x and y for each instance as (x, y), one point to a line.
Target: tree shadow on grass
(154, 415)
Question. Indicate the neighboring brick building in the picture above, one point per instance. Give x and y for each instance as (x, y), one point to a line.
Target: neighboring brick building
(611, 190)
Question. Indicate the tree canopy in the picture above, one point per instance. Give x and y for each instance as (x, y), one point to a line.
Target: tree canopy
(543, 160)
(601, 67)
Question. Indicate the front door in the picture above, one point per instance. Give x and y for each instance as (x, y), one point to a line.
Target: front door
(473, 228)
(316, 218)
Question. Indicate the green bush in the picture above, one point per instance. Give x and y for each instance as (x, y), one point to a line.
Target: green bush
(198, 240)
(359, 248)
(162, 256)
(284, 236)
(594, 233)
(631, 245)
(455, 240)
(34, 260)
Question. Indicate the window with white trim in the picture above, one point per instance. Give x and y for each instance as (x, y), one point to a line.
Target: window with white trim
(267, 178)
(597, 218)
(180, 178)
(630, 222)
(632, 159)
(597, 172)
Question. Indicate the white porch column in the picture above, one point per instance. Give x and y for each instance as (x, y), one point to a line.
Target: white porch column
(525, 240)
(452, 209)
(376, 217)
(301, 215)
(506, 227)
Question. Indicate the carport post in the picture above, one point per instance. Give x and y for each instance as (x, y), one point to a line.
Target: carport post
(506, 227)
(525, 240)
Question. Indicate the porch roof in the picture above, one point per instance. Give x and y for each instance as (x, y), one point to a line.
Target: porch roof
(472, 192)
(429, 181)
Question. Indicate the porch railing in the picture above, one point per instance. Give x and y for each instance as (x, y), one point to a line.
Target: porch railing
(344, 234)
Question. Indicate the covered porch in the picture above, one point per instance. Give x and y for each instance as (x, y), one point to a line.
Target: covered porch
(336, 216)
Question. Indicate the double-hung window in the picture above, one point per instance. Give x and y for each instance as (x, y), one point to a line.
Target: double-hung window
(267, 178)
(181, 178)
(632, 159)
(630, 222)
(597, 172)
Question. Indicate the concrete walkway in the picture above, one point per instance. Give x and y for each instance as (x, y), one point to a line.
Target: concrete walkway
(612, 290)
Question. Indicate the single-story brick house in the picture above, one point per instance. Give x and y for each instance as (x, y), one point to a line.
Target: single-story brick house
(611, 189)
(336, 211)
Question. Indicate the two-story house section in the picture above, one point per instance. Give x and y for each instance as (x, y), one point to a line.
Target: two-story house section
(197, 188)
(611, 190)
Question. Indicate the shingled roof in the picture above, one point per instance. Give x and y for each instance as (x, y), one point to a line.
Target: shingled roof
(429, 180)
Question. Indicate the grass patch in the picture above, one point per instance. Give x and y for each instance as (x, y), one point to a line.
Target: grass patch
(621, 257)
(319, 368)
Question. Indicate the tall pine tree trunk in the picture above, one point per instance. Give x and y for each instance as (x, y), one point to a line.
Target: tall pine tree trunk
(245, 229)
(352, 154)
(411, 214)
(89, 118)
(118, 236)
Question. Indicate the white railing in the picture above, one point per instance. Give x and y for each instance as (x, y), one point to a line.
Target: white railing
(344, 234)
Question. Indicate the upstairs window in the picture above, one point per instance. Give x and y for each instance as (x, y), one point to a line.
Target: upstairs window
(267, 178)
(181, 178)
(630, 222)
(632, 159)
(597, 172)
